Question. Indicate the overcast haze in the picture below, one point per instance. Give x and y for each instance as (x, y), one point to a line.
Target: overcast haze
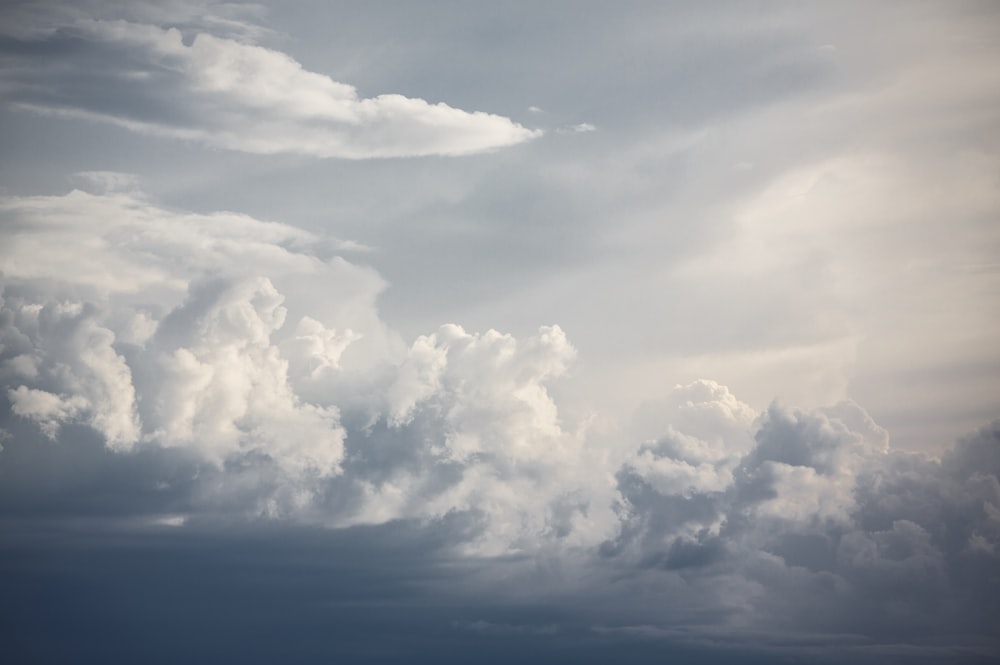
(552, 332)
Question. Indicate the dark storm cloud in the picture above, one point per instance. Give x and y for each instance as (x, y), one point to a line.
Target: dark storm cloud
(365, 595)
(898, 558)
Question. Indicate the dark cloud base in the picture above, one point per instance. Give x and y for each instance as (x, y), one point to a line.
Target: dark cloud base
(214, 447)
(77, 594)
(88, 576)
(277, 594)
(789, 535)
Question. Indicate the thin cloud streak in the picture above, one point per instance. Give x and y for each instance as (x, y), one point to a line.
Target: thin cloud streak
(230, 94)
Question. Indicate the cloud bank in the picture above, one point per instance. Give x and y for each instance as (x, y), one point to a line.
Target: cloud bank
(225, 435)
(184, 357)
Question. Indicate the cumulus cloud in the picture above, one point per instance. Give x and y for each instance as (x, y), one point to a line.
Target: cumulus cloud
(200, 332)
(215, 380)
(160, 328)
(214, 397)
(817, 525)
(191, 349)
(472, 427)
(224, 91)
(117, 242)
(68, 356)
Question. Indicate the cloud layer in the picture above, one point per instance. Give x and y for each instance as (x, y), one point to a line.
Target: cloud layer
(205, 373)
(223, 434)
(223, 91)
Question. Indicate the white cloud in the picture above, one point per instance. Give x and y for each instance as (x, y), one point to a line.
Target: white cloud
(216, 383)
(120, 243)
(482, 433)
(236, 95)
(762, 516)
(183, 369)
(163, 328)
(73, 361)
(579, 128)
(203, 335)
(155, 327)
(48, 410)
(810, 462)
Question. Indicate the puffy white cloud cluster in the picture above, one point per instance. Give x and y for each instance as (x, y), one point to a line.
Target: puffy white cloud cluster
(64, 366)
(720, 464)
(481, 433)
(703, 432)
(814, 523)
(226, 91)
(216, 381)
(159, 328)
(202, 335)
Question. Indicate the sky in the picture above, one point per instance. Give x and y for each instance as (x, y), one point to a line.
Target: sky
(548, 332)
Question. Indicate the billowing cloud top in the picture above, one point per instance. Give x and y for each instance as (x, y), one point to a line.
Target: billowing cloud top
(266, 403)
(223, 433)
(224, 92)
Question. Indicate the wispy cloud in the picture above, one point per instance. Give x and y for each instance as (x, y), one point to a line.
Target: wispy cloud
(233, 94)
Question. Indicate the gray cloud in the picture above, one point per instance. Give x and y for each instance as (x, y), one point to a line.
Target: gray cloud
(222, 400)
(234, 430)
(827, 530)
